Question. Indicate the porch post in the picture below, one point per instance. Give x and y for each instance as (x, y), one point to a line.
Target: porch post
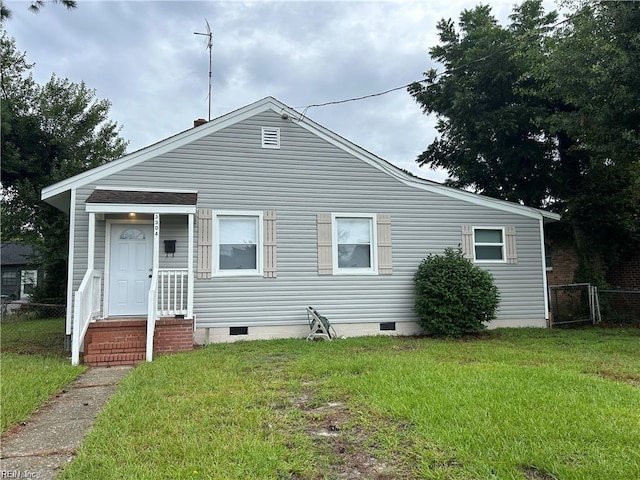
(91, 242)
(156, 241)
(190, 268)
(153, 299)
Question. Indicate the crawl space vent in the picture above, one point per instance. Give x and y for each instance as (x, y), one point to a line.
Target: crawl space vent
(238, 330)
(270, 137)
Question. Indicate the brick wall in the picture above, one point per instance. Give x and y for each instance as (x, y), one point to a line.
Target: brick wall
(173, 335)
(564, 261)
(625, 274)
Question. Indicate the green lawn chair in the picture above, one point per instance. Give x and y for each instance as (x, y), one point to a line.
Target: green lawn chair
(319, 325)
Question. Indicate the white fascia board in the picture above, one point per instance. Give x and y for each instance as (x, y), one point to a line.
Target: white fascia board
(144, 189)
(96, 174)
(422, 184)
(137, 208)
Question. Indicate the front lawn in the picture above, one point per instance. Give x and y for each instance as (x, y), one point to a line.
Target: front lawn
(32, 367)
(507, 404)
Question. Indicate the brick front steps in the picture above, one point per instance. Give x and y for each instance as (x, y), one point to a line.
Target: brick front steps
(124, 341)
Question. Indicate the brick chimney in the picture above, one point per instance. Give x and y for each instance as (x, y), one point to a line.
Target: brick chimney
(198, 122)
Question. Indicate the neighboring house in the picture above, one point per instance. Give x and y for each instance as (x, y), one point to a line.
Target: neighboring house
(234, 227)
(19, 271)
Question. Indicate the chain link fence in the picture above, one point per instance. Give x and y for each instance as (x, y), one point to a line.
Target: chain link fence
(33, 328)
(573, 304)
(583, 303)
(620, 307)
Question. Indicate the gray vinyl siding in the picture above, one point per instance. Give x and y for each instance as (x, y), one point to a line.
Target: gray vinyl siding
(307, 176)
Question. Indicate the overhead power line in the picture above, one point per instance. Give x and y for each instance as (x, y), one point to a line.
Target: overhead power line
(451, 70)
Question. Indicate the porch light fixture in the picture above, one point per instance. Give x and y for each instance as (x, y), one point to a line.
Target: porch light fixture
(132, 215)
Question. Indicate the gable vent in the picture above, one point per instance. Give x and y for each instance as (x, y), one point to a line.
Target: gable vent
(270, 137)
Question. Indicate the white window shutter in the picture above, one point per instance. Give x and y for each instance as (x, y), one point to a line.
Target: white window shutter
(467, 242)
(512, 254)
(270, 269)
(385, 256)
(205, 244)
(325, 261)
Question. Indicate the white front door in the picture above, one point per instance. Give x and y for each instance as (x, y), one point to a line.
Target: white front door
(130, 268)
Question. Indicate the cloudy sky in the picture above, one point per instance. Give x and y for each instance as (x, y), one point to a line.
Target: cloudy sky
(144, 57)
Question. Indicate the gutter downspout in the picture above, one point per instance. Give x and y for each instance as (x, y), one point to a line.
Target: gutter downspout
(544, 272)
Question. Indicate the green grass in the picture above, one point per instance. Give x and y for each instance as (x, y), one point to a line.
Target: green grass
(508, 404)
(32, 367)
(42, 336)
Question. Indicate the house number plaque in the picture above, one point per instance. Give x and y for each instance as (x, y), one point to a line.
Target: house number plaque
(156, 224)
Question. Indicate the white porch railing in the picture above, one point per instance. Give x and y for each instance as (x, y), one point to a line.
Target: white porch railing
(172, 291)
(86, 307)
(168, 296)
(152, 314)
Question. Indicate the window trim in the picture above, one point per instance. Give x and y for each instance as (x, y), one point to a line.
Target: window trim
(373, 252)
(503, 244)
(215, 225)
(548, 257)
(26, 275)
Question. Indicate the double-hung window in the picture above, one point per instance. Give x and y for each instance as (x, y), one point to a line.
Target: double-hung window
(238, 243)
(9, 278)
(488, 244)
(354, 244)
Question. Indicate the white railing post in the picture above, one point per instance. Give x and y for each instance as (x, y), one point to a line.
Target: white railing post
(75, 340)
(152, 307)
(190, 273)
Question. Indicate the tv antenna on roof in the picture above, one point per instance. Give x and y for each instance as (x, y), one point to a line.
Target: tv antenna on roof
(209, 36)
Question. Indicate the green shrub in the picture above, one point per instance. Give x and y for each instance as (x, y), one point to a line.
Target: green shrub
(453, 296)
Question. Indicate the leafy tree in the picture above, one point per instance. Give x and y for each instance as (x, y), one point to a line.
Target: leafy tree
(543, 117)
(594, 71)
(49, 133)
(34, 6)
(490, 138)
(453, 296)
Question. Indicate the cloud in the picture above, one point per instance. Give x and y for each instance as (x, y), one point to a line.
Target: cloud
(144, 57)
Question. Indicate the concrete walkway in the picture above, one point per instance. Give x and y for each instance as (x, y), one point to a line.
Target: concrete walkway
(49, 440)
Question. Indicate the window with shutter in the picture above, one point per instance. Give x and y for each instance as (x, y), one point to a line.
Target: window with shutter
(489, 244)
(354, 244)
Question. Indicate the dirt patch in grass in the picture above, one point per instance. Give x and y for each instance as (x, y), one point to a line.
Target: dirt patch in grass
(346, 443)
(630, 378)
(534, 473)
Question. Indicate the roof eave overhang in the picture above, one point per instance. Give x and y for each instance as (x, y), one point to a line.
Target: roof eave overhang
(139, 208)
(61, 200)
